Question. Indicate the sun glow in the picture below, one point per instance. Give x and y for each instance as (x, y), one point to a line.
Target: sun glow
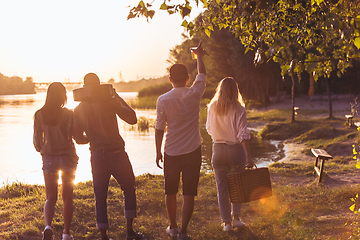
(267, 206)
(53, 41)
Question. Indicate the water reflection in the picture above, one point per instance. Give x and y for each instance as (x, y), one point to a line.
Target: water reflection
(23, 100)
(20, 162)
(264, 152)
(206, 149)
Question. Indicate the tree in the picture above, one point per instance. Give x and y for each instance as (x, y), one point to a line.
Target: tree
(226, 57)
(15, 85)
(317, 36)
(111, 81)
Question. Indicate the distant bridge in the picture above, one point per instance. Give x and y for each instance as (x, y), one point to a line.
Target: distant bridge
(68, 85)
(38, 84)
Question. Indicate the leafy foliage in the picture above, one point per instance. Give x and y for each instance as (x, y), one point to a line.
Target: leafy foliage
(141, 10)
(317, 36)
(226, 57)
(313, 36)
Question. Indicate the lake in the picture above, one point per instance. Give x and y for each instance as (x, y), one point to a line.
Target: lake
(19, 162)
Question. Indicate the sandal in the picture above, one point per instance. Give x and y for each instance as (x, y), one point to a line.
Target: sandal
(138, 236)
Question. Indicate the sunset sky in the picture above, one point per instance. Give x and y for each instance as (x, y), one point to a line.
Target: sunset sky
(64, 40)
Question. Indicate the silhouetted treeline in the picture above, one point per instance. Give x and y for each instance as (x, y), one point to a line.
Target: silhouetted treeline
(155, 90)
(348, 83)
(15, 85)
(136, 86)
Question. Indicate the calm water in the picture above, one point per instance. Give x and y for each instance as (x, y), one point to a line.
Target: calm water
(20, 162)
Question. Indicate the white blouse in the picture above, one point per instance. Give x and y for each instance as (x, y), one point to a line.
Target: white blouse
(230, 128)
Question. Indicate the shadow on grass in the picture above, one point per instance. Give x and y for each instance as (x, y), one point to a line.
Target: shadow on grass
(244, 233)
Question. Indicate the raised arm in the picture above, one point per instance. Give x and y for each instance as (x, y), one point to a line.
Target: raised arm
(200, 52)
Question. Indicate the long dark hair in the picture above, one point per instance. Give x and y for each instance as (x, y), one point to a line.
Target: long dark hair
(55, 100)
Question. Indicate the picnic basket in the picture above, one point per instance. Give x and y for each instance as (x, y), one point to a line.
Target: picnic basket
(249, 185)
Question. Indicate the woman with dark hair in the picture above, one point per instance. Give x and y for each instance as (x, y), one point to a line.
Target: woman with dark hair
(53, 139)
(226, 123)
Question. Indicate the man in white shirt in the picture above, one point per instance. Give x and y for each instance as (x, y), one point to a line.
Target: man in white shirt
(178, 111)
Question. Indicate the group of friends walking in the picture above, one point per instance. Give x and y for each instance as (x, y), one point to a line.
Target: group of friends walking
(94, 121)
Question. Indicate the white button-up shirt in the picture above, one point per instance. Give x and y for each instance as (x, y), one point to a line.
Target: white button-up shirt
(178, 112)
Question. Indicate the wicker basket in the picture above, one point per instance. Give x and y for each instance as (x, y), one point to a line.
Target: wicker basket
(250, 185)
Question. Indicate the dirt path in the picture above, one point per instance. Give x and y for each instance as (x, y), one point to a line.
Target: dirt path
(294, 151)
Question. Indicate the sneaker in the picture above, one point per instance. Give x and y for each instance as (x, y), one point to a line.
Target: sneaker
(47, 234)
(67, 237)
(226, 227)
(238, 223)
(173, 232)
(182, 236)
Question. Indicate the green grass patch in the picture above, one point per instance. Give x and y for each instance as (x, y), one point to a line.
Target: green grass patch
(273, 115)
(284, 130)
(329, 134)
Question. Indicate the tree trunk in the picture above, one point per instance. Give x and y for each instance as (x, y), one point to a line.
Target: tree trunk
(329, 98)
(293, 97)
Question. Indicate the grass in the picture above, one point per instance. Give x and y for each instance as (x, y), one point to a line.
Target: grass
(313, 211)
(143, 123)
(333, 135)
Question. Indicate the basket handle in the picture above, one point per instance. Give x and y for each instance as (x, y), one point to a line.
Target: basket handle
(252, 167)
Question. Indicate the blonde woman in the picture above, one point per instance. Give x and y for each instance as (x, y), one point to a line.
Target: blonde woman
(53, 139)
(227, 125)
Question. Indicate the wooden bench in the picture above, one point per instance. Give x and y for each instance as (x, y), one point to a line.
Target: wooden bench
(350, 119)
(321, 155)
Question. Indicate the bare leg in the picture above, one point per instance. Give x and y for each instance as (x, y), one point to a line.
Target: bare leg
(67, 195)
(51, 189)
(187, 211)
(170, 201)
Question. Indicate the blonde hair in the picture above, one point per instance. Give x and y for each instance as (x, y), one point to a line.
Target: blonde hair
(227, 96)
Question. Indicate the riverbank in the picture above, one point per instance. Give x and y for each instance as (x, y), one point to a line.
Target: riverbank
(317, 107)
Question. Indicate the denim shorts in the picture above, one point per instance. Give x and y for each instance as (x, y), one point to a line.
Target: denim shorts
(189, 165)
(55, 163)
